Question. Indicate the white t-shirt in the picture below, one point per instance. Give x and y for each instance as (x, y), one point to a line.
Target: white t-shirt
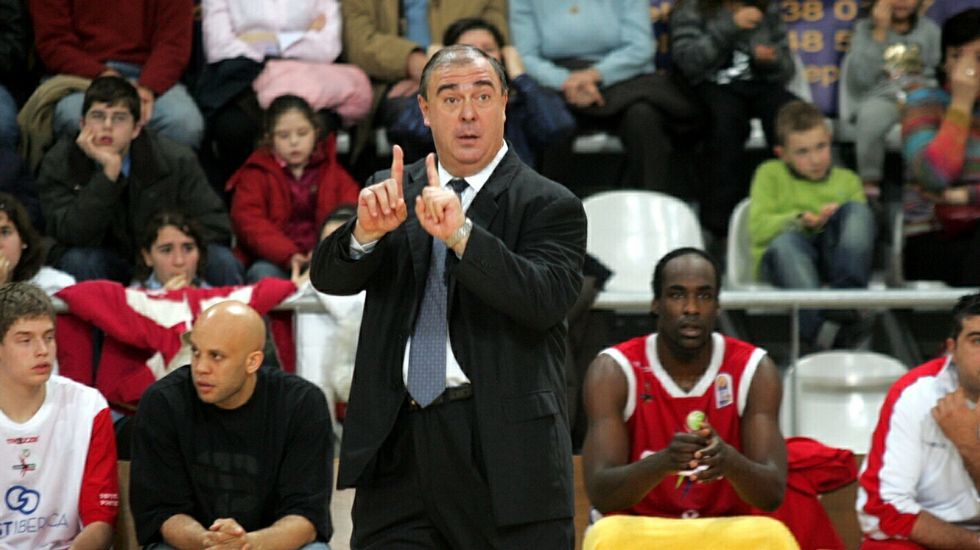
(58, 469)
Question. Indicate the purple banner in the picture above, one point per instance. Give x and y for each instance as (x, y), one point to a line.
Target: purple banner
(819, 31)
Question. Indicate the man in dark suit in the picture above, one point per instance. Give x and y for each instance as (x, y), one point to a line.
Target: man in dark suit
(456, 435)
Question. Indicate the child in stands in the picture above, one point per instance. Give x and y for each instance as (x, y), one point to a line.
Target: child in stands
(172, 253)
(286, 189)
(810, 223)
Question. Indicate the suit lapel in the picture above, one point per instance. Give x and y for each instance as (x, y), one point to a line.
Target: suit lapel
(487, 202)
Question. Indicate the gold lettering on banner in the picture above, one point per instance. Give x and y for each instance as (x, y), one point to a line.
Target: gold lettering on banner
(791, 11)
(845, 10)
(842, 40)
(810, 41)
(825, 75)
(813, 10)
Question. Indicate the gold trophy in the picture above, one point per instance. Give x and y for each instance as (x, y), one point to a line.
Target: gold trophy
(903, 65)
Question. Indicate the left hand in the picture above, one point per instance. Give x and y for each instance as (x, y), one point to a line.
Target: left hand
(828, 210)
(177, 282)
(226, 534)
(146, 104)
(581, 88)
(438, 208)
(765, 54)
(811, 220)
(714, 455)
(956, 419)
(299, 268)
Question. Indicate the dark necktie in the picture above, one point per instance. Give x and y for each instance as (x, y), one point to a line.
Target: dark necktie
(427, 354)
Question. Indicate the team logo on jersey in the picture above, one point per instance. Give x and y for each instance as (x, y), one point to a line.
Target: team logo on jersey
(23, 500)
(723, 390)
(647, 394)
(24, 465)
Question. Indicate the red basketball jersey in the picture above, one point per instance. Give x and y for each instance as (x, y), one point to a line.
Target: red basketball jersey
(656, 409)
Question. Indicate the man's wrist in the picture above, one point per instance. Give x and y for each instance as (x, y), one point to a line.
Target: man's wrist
(364, 237)
(461, 233)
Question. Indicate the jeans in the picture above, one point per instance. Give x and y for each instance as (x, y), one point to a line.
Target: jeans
(875, 118)
(223, 268)
(839, 255)
(86, 263)
(175, 114)
(262, 269)
(9, 133)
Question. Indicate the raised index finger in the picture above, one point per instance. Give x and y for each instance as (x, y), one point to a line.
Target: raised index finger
(397, 165)
(431, 171)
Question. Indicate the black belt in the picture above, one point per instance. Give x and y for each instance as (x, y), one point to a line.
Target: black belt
(456, 393)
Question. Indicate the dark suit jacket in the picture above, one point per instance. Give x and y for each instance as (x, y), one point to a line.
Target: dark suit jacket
(508, 296)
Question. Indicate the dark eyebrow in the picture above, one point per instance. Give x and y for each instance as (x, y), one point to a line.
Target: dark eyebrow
(444, 87)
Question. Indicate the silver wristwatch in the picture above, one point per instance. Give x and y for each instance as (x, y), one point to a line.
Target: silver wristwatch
(460, 234)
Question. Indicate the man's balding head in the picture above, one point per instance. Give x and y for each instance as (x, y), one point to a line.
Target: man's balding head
(227, 343)
(239, 318)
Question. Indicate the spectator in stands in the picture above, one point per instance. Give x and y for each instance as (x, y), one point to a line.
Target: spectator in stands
(286, 189)
(145, 41)
(98, 190)
(810, 223)
(941, 133)
(737, 57)
(61, 486)
(536, 116)
(227, 453)
(599, 55)
(892, 52)
(918, 482)
(22, 250)
(284, 51)
(13, 55)
(644, 454)
(941, 10)
(172, 253)
(391, 42)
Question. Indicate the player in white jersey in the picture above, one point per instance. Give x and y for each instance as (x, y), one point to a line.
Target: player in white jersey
(57, 446)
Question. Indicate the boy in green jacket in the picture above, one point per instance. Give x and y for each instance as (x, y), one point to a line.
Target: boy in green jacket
(810, 224)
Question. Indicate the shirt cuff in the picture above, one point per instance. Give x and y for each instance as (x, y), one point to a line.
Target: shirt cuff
(358, 250)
